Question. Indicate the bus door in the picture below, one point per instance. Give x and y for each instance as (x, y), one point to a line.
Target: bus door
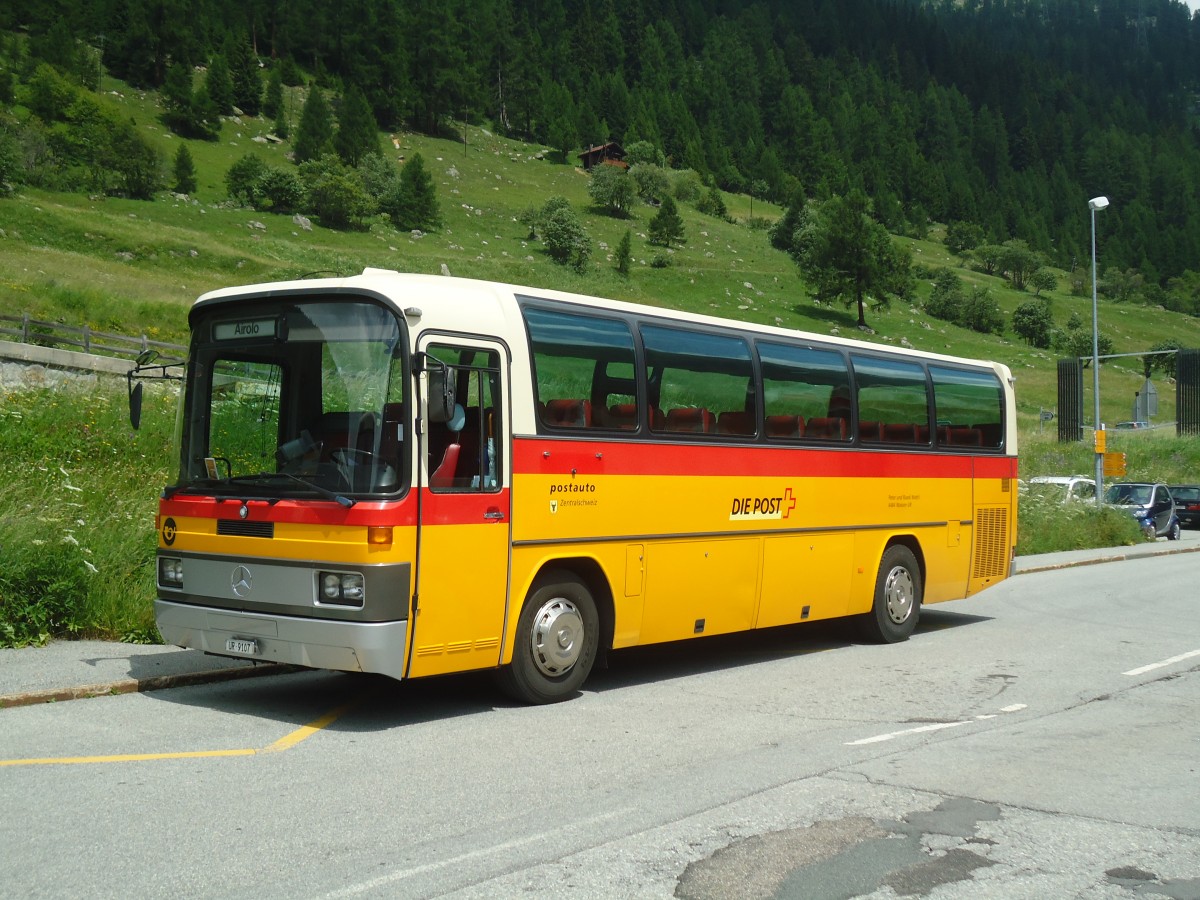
(464, 535)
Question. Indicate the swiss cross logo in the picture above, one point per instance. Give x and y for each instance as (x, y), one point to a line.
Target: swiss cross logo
(746, 508)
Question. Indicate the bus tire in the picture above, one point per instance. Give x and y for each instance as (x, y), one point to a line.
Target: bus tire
(557, 636)
(898, 593)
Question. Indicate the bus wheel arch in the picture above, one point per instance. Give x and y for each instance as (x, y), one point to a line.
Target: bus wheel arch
(898, 593)
(564, 623)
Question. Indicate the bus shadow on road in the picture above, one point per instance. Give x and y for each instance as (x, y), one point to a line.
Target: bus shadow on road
(662, 662)
(375, 703)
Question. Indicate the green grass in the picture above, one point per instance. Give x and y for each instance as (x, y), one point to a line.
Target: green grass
(78, 489)
(77, 534)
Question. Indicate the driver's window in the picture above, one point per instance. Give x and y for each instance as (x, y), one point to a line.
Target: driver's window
(463, 453)
(243, 428)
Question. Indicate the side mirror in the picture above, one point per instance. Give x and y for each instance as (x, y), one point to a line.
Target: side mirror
(441, 393)
(135, 406)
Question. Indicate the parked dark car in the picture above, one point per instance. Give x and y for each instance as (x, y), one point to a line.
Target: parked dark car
(1151, 504)
(1187, 503)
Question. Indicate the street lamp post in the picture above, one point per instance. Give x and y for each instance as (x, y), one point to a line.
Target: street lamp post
(1094, 204)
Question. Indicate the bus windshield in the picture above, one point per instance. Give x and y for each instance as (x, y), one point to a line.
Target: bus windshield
(302, 397)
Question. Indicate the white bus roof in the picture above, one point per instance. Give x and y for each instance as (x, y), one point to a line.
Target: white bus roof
(489, 307)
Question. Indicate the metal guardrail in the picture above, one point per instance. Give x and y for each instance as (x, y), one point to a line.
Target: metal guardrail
(83, 339)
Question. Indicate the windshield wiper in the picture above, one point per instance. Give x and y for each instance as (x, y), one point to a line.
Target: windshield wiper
(325, 492)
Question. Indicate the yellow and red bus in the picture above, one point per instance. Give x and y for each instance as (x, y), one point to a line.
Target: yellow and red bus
(417, 475)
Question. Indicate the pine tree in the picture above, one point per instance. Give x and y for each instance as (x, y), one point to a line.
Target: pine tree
(220, 85)
(289, 72)
(273, 104)
(243, 72)
(666, 227)
(357, 134)
(314, 134)
(185, 171)
(413, 203)
(625, 252)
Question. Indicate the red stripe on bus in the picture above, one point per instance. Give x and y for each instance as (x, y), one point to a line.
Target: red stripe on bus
(540, 457)
(294, 512)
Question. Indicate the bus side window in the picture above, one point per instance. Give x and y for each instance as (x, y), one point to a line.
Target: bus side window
(691, 373)
(462, 453)
(806, 393)
(976, 397)
(583, 371)
(893, 400)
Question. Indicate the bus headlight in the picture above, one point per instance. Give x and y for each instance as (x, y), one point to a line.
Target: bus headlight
(341, 588)
(170, 572)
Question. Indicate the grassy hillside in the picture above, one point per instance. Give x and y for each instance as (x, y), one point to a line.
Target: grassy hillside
(74, 478)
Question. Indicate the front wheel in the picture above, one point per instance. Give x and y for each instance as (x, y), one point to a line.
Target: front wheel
(898, 592)
(557, 636)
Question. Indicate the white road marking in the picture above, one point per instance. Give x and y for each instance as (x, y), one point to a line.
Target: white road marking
(384, 881)
(1141, 670)
(937, 726)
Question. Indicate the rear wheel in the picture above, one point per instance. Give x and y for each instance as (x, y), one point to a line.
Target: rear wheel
(557, 636)
(1173, 531)
(898, 593)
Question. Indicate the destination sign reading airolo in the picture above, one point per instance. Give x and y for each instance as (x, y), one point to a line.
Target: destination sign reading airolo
(243, 328)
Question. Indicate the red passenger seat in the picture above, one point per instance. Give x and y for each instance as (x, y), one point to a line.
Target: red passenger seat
(691, 419)
(568, 413)
(785, 426)
(623, 416)
(826, 428)
(900, 433)
(735, 422)
(965, 437)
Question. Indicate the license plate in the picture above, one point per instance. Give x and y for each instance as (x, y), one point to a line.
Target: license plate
(242, 646)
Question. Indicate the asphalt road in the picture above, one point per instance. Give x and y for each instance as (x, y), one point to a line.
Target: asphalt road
(1039, 740)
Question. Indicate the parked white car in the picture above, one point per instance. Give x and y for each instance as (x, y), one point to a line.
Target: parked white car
(1071, 487)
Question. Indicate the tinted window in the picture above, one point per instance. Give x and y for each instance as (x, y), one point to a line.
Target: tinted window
(969, 407)
(893, 402)
(584, 370)
(698, 382)
(463, 453)
(806, 392)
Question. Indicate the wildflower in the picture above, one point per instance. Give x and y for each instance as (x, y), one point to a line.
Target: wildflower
(91, 568)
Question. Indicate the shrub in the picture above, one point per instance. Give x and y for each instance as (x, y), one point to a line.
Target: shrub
(280, 191)
(566, 239)
(687, 186)
(243, 178)
(652, 182)
(612, 189)
(713, 204)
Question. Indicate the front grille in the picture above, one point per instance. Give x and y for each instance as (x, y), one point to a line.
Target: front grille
(991, 542)
(239, 528)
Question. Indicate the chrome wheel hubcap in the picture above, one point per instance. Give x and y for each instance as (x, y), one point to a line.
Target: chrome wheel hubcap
(898, 593)
(557, 638)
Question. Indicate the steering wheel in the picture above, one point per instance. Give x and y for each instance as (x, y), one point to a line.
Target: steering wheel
(352, 457)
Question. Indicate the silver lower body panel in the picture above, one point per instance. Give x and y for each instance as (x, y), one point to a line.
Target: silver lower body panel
(314, 643)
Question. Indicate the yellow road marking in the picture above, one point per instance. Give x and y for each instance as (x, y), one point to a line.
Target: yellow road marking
(126, 757)
(300, 734)
(284, 743)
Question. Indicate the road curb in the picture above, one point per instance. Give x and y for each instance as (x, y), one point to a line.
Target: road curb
(141, 685)
(1119, 556)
